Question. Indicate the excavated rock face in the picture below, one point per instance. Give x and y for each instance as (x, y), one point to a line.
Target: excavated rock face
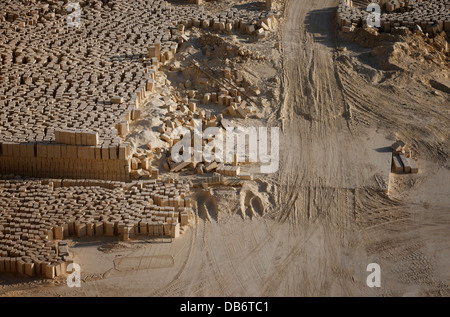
(387, 57)
(392, 51)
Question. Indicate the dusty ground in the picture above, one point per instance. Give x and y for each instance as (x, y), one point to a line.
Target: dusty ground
(314, 226)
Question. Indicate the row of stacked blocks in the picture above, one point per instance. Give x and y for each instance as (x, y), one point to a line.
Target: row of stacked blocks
(162, 221)
(432, 16)
(35, 215)
(66, 161)
(49, 268)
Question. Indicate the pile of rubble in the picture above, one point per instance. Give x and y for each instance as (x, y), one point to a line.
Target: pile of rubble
(185, 112)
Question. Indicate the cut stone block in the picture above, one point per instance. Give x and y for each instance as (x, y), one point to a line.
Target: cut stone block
(211, 167)
(58, 233)
(117, 100)
(175, 230)
(98, 228)
(89, 229)
(80, 229)
(7, 264)
(184, 218)
(20, 267)
(13, 265)
(29, 269)
(50, 270)
(108, 228)
(397, 166)
(143, 228)
(406, 164)
(414, 167)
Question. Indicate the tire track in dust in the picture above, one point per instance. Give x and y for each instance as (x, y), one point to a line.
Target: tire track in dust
(307, 77)
(172, 286)
(273, 284)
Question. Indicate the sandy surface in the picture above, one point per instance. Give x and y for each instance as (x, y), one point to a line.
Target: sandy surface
(316, 224)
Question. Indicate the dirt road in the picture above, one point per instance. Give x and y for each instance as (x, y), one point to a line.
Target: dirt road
(329, 176)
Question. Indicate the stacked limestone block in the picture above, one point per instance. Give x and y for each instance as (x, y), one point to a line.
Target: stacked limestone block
(88, 79)
(35, 215)
(432, 16)
(61, 160)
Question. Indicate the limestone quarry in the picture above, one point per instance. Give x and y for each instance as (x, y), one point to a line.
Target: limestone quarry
(313, 135)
